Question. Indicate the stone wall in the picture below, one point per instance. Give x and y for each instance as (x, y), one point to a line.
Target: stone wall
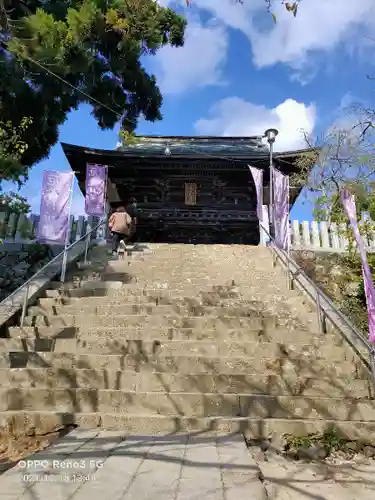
(331, 273)
(19, 262)
(327, 270)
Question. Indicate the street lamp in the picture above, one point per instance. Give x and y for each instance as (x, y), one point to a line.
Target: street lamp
(271, 134)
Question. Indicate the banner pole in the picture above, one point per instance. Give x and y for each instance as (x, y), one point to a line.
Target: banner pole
(104, 229)
(260, 210)
(288, 228)
(68, 232)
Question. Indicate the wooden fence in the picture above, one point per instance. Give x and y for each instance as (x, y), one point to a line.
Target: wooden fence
(321, 236)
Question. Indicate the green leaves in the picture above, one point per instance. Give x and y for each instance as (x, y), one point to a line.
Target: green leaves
(12, 149)
(15, 203)
(96, 46)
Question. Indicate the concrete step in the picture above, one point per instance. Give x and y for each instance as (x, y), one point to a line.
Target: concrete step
(183, 364)
(255, 348)
(143, 309)
(149, 297)
(156, 332)
(86, 285)
(186, 404)
(143, 320)
(158, 288)
(81, 292)
(131, 277)
(96, 273)
(55, 378)
(23, 422)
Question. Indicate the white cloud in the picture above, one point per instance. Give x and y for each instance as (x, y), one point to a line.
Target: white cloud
(236, 117)
(198, 64)
(320, 26)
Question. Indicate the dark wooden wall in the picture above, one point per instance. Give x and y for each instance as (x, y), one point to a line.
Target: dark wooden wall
(225, 209)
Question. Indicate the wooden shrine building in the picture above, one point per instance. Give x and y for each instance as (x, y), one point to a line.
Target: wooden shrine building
(188, 189)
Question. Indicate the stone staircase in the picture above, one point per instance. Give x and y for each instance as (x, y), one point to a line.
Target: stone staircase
(182, 338)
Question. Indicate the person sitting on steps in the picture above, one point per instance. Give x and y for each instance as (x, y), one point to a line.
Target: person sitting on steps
(120, 224)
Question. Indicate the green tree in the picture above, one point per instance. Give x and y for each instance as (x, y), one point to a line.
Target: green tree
(95, 46)
(15, 203)
(12, 149)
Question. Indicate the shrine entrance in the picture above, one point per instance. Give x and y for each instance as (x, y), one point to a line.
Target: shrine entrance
(190, 194)
(188, 189)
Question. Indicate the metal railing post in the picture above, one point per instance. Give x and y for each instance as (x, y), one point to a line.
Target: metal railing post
(291, 282)
(24, 305)
(87, 248)
(372, 355)
(64, 264)
(319, 311)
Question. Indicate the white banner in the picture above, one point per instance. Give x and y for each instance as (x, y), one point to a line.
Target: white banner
(281, 209)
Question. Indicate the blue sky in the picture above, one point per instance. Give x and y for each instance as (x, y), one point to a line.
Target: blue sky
(239, 73)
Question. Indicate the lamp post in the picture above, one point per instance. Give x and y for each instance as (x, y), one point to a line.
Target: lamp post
(271, 134)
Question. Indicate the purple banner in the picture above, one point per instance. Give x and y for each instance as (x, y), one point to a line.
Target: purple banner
(281, 209)
(96, 184)
(55, 207)
(258, 181)
(348, 202)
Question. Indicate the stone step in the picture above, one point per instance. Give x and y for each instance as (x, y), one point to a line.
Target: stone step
(149, 299)
(49, 302)
(131, 278)
(144, 320)
(55, 378)
(186, 404)
(142, 309)
(102, 292)
(79, 292)
(223, 348)
(183, 364)
(158, 288)
(23, 422)
(155, 332)
(163, 297)
(96, 273)
(87, 284)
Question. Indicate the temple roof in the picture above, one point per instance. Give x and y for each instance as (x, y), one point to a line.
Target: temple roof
(185, 145)
(241, 149)
(149, 152)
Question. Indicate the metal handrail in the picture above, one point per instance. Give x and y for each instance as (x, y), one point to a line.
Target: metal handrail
(63, 254)
(319, 295)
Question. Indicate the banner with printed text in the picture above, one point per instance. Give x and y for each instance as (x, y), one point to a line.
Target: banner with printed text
(96, 187)
(348, 202)
(258, 181)
(55, 207)
(281, 209)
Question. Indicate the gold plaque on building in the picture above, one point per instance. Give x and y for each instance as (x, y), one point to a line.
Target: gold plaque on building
(190, 193)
